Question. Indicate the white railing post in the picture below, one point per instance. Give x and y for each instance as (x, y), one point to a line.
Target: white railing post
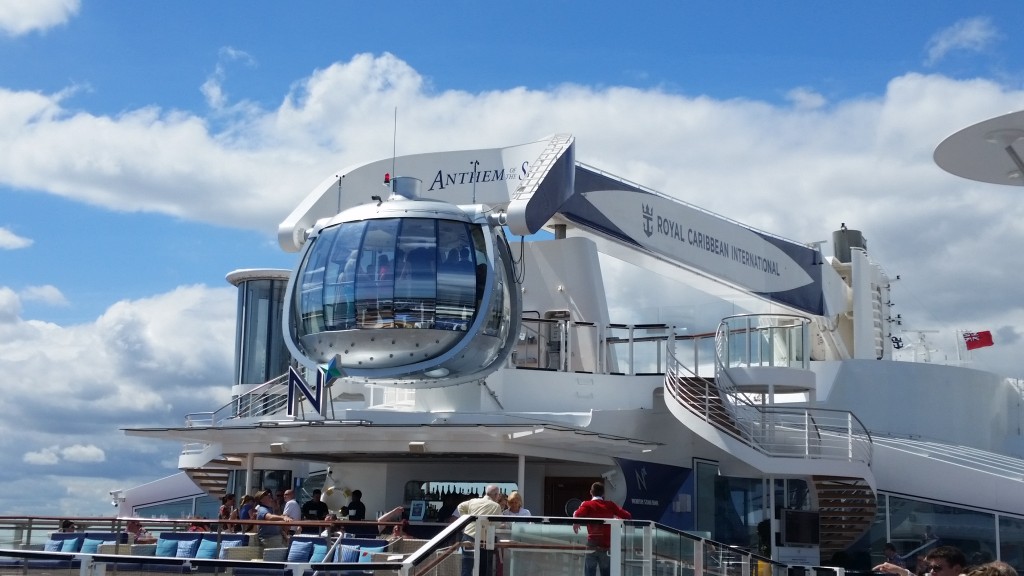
(648, 550)
(696, 361)
(698, 556)
(566, 335)
(849, 435)
(807, 433)
(616, 548)
(632, 365)
(670, 347)
(707, 402)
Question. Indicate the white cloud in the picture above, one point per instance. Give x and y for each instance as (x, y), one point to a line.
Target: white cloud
(80, 453)
(19, 17)
(45, 457)
(806, 99)
(47, 294)
(970, 34)
(10, 306)
(11, 241)
(212, 88)
(148, 361)
(52, 455)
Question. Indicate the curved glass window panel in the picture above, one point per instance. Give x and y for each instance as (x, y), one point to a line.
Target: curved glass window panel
(501, 309)
(416, 274)
(375, 275)
(309, 294)
(478, 256)
(340, 277)
(456, 277)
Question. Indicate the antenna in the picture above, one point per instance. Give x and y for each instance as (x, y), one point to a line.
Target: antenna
(476, 165)
(394, 144)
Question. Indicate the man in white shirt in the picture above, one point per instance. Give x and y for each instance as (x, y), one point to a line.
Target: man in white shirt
(487, 505)
(291, 508)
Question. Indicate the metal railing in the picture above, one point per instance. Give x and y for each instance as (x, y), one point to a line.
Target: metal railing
(270, 397)
(762, 340)
(776, 430)
(554, 344)
(517, 546)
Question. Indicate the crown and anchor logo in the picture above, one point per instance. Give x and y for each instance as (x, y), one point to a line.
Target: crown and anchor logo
(648, 220)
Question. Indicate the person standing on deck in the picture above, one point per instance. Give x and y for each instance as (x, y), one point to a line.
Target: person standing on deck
(269, 535)
(599, 536)
(314, 509)
(291, 509)
(486, 505)
(356, 508)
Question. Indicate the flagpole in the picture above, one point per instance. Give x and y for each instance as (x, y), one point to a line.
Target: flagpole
(959, 344)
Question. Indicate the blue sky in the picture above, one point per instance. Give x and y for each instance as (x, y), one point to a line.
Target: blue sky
(148, 148)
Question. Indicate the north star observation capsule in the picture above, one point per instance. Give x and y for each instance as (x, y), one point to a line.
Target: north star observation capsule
(411, 292)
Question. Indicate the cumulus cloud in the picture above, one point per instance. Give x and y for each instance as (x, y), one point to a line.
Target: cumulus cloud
(213, 87)
(45, 457)
(806, 99)
(10, 306)
(11, 241)
(18, 17)
(970, 35)
(80, 453)
(150, 360)
(52, 455)
(47, 294)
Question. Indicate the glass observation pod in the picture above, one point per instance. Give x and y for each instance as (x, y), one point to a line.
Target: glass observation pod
(405, 291)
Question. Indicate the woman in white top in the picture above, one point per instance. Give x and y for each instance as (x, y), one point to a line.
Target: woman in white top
(515, 506)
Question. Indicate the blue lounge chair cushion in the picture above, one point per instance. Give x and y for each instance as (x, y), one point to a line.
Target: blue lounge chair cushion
(53, 545)
(70, 545)
(187, 548)
(166, 548)
(228, 544)
(366, 554)
(300, 551)
(207, 549)
(319, 553)
(348, 553)
(91, 546)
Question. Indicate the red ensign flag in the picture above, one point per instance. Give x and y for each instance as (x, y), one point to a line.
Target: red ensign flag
(976, 340)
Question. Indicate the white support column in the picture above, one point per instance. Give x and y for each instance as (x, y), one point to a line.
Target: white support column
(521, 476)
(248, 473)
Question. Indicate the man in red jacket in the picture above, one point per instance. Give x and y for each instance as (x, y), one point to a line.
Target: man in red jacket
(599, 536)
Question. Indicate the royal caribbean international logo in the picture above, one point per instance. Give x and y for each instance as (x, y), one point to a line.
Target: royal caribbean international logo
(648, 220)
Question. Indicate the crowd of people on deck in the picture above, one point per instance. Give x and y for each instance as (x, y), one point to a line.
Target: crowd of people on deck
(285, 516)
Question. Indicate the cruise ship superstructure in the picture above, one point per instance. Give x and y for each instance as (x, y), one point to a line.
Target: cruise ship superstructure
(514, 316)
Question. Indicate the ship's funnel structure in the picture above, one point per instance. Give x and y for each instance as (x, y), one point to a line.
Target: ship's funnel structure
(405, 292)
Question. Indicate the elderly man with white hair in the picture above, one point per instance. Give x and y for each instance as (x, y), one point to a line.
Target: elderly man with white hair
(486, 505)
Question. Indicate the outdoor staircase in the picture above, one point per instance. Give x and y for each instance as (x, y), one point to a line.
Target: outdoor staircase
(846, 505)
(212, 478)
(702, 397)
(846, 509)
(830, 448)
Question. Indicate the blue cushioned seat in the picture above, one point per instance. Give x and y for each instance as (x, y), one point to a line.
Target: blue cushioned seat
(302, 548)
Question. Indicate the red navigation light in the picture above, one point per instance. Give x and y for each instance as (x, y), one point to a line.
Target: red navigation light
(387, 178)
